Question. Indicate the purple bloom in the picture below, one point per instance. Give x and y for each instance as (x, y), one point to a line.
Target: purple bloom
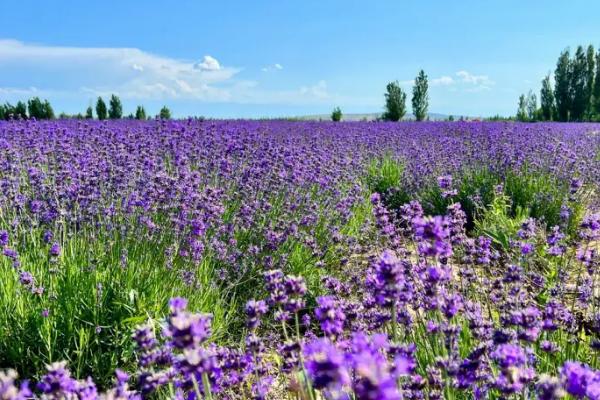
(58, 383)
(254, 310)
(327, 367)
(3, 238)
(9, 389)
(433, 236)
(330, 315)
(55, 249)
(445, 182)
(575, 377)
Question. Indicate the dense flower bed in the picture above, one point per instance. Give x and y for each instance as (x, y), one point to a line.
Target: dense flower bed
(309, 285)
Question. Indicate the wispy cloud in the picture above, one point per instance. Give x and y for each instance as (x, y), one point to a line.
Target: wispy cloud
(478, 82)
(273, 67)
(462, 80)
(130, 72)
(319, 90)
(208, 63)
(442, 81)
(136, 74)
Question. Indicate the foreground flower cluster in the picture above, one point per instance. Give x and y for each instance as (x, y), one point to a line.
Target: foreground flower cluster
(306, 285)
(437, 315)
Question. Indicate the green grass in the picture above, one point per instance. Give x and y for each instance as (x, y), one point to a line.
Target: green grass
(94, 299)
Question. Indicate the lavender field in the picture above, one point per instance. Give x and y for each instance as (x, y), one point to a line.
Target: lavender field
(299, 260)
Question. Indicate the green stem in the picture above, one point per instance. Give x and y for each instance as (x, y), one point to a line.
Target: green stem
(206, 385)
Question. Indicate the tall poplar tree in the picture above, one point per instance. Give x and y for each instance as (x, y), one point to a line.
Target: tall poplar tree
(562, 84)
(596, 90)
(589, 80)
(101, 109)
(420, 97)
(578, 86)
(547, 99)
(395, 102)
(116, 108)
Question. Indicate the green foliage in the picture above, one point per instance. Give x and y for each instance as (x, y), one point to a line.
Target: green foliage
(498, 222)
(99, 305)
(35, 108)
(115, 110)
(384, 176)
(576, 89)
(40, 110)
(20, 110)
(140, 113)
(589, 80)
(89, 113)
(420, 97)
(596, 89)
(530, 193)
(522, 110)
(579, 85)
(547, 99)
(543, 196)
(48, 111)
(395, 102)
(336, 114)
(528, 109)
(101, 109)
(562, 91)
(532, 110)
(164, 113)
(475, 191)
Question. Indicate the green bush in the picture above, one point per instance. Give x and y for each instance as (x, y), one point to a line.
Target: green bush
(384, 176)
(499, 223)
(534, 194)
(475, 192)
(336, 114)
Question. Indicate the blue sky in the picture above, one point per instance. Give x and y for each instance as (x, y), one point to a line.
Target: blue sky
(283, 58)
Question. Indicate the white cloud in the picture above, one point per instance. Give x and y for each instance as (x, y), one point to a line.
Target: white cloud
(442, 81)
(319, 90)
(85, 72)
(463, 80)
(481, 81)
(129, 72)
(208, 64)
(273, 67)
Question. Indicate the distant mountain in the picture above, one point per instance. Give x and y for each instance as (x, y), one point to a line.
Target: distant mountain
(367, 117)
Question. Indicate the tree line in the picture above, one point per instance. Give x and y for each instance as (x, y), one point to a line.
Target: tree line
(575, 94)
(38, 109)
(395, 101)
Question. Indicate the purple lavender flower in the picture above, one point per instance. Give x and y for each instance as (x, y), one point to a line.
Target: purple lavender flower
(386, 278)
(48, 236)
(330, 315)
(254, 311)
(433, 236)
(3, 238)
(58, 383)
(55, 249)
(445, 182)
(514, 373)
(9, 389)
(327, 368)
(186, 330)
